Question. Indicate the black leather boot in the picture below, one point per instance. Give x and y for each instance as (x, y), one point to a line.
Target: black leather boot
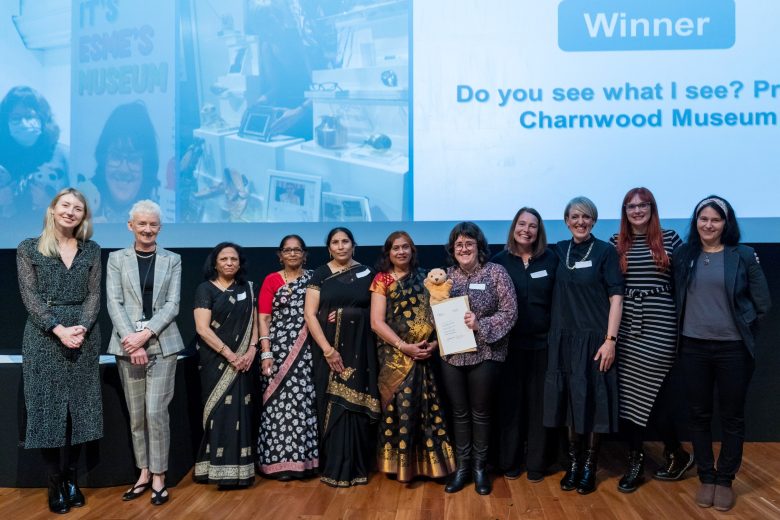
(587, 483)
(482, 483)
(58, 498)
(462, 475)
(573, 468)
(460, 478)
(72, 491)
(635, 474)
(480, 448)
(677, 463)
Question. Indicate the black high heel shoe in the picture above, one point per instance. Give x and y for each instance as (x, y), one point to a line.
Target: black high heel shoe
(131, 493)
(158, 498)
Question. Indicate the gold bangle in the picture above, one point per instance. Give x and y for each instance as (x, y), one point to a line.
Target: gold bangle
(397, 344)
(332, 351)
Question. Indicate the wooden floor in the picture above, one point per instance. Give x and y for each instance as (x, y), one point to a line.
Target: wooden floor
(757, 487)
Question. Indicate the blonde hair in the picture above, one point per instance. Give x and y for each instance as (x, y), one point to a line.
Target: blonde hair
(47, 243)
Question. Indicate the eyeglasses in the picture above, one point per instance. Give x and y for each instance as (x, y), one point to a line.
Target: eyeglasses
(642, 206)
(461, 246)
(133, 160)
(292, 251)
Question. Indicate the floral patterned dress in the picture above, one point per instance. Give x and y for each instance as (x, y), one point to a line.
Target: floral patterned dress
(287, 443)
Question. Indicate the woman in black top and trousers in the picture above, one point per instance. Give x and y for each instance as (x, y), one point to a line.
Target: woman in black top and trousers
(721, 292)
(532, 266)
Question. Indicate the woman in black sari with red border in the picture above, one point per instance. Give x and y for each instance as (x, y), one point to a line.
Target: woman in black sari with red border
(345, 366)
(227, 344)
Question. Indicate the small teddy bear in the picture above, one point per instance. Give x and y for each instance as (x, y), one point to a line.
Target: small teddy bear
(438, 285)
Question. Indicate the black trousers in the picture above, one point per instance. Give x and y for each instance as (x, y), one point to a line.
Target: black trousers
(471, 393)
(727, 366)
(522, 436)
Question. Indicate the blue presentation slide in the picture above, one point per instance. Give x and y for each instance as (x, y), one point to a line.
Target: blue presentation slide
(249, 120)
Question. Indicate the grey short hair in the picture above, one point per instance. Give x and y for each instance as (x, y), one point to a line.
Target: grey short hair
(145, 206)
(583, 204)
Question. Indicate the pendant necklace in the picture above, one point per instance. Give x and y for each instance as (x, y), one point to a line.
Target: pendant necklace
(568, 252)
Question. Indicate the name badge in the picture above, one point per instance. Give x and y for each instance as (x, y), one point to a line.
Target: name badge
(477, 286)
(539, 274)
(583, 265)
(241, 296)
(363, 273)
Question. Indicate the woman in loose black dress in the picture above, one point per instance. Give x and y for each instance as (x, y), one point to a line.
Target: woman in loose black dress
(581, 384)
(59, 280)
(227, 344)
(345, 363)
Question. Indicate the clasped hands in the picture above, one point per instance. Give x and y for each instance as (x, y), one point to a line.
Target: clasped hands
(133, 344)
(71, 337)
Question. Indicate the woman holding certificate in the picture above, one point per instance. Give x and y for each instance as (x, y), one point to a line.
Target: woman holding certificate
(469, 377)
(413, 439)
(581, 385)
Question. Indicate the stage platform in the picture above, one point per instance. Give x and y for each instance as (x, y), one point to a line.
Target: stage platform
(757, 487)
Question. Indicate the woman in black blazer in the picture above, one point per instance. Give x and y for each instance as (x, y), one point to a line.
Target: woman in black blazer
(721, 292)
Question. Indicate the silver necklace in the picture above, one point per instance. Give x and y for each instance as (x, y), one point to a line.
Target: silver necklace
(568, 252)
(139, 255)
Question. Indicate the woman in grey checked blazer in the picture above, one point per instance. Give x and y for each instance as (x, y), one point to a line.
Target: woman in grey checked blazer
(143, 283)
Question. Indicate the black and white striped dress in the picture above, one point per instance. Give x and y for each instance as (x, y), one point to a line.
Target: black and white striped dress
(647, 341)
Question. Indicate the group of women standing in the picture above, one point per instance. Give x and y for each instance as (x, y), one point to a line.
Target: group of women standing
(581, 334)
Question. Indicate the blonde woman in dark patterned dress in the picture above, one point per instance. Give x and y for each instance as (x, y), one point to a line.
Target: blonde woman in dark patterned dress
(59, 279)
(413, 439)
(647, 341)
(287, 443)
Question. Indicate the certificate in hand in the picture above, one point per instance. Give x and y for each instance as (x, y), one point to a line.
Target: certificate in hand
(453, 334)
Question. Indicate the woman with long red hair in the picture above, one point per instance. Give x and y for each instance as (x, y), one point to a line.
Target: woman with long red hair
(647, 340)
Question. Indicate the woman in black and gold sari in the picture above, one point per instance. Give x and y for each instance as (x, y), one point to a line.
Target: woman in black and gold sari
(412, 437)
(227, 344)
(345, 371)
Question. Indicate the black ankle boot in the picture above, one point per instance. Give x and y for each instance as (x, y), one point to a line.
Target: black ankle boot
(587, 483)
(58, 498)
(481, 479)
(635, 474)
(460, 478)
(573, 469)
(72, 492)
(677, 463)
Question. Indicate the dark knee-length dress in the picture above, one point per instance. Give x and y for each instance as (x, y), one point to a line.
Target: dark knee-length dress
(59, 381)
(576, 393)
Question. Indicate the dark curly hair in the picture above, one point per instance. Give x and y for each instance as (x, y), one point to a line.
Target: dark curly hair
(469, 230)
(210, 265)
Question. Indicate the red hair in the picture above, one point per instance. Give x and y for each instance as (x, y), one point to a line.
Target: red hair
(655, 239)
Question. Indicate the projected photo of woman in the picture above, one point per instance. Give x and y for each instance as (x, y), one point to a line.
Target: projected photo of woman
(33, 166)
(127, 162)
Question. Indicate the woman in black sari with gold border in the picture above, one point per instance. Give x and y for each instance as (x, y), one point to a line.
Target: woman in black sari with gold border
(227, 344)
(345, 367)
